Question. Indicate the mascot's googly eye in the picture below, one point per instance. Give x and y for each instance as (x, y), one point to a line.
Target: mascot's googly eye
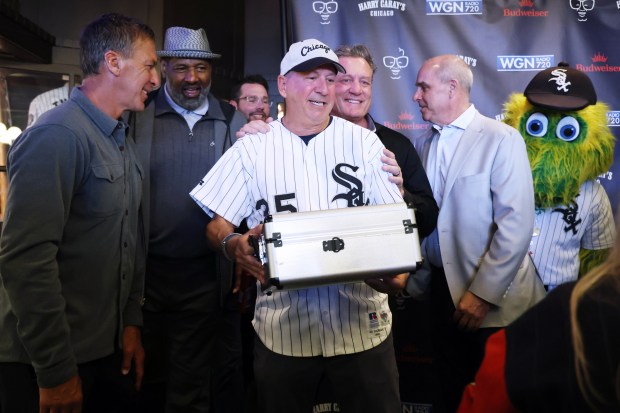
(536, 124)
(567, 129)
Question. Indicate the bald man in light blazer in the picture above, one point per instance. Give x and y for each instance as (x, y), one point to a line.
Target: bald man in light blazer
(481, 277)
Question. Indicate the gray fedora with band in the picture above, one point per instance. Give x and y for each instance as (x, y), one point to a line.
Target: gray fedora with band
(185, 43)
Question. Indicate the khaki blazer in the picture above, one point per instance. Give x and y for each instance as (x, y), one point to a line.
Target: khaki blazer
(486, 220)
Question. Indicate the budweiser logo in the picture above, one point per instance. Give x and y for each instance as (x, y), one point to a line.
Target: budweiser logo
(405, 116)
(599, 58)
(526, 3)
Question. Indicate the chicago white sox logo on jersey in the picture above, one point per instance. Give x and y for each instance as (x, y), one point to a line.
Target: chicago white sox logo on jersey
(570, 215)
(355, 197)
(275, 173)
(562, 231)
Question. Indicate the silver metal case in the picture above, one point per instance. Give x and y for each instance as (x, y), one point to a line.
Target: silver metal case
(309, 249)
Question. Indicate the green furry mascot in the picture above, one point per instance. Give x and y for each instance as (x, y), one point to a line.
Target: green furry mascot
(568, 144)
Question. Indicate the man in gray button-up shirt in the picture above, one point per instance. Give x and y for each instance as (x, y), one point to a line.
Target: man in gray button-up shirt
(72, 239)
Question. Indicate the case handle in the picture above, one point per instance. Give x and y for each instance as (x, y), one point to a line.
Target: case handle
(335, 244)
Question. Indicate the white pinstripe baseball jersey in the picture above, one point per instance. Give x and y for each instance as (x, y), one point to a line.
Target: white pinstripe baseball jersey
(46, 101)
(560, 232)
(276, 172)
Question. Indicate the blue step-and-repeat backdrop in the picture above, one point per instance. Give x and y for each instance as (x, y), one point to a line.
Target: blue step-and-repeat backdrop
(505, 42)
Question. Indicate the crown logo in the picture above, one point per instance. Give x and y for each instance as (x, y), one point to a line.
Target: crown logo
(405, 116)
(526, 3)
(599, 58)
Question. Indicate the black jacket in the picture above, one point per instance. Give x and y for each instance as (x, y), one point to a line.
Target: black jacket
(417, 188)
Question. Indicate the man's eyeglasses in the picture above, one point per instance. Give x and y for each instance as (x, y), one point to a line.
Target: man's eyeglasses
(255, 99)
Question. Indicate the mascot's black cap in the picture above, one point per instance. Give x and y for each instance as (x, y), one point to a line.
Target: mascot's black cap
(561, 88)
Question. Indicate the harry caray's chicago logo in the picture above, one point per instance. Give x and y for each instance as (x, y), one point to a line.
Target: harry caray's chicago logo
(471, 61)
(325, 9)
(325, 408)
(524, 63)
(377, 8)
(396, 63)
(436, 7)
(355, 196)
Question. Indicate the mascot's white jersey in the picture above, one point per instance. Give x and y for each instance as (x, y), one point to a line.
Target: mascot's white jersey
(560, 232)
(277, 172)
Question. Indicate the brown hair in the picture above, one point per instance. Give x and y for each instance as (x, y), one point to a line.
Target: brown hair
(111, 31)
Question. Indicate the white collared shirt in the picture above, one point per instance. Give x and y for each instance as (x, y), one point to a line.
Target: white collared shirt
(442, 150)
(190, 116)
(444, 146)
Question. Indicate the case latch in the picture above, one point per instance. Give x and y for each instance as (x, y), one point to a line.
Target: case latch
(335, 244)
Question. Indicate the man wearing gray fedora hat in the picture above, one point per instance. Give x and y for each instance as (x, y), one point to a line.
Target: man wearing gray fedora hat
(179, 137)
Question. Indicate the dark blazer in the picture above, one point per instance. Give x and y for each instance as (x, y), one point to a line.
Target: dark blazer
(417, 188)
(226, 121)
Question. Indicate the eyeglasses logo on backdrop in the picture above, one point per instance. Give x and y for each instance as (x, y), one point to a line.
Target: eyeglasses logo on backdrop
(582, 7)
(396, 63)
(325, 9)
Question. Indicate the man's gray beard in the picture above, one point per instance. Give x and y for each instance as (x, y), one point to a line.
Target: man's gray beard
(189, 104)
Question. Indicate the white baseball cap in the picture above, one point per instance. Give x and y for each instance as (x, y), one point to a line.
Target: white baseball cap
(307, 55)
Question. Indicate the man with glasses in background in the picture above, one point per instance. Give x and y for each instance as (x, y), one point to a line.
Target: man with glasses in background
(251, 97)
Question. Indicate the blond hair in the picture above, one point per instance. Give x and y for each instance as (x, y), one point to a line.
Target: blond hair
(609, 271)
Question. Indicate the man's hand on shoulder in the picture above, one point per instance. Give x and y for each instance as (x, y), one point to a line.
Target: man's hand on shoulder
(255, 126)
(64, 398)
(390, 165)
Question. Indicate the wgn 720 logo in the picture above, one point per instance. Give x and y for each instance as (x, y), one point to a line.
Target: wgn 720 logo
(524, 63)
(613, 118)
(434, 7)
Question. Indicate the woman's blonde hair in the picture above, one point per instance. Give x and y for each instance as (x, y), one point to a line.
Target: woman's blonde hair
(609, 268)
